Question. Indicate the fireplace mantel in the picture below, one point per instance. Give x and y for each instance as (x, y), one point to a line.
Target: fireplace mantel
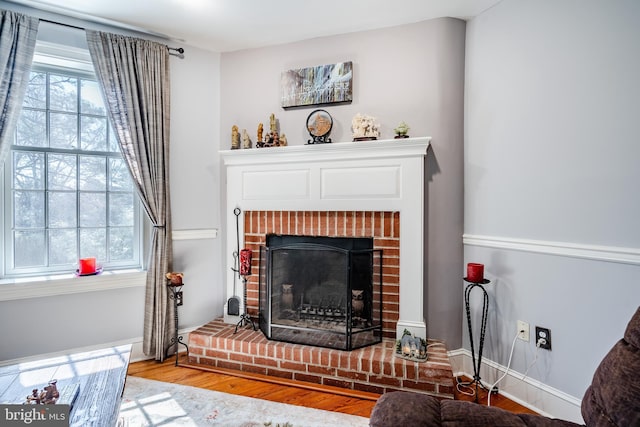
(383, 175)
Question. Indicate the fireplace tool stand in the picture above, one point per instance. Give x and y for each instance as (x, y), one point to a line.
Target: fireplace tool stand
(245, 319)
(483, 326)
(242, 261)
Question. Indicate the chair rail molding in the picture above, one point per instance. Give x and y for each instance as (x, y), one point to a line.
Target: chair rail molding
(575, 250)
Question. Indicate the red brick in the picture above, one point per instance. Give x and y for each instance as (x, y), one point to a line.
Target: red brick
(293, 366)
(241, 357)
(337, 383)
(353, 375)
(377, 379)
(324, 370)
(263, 361)
(254, 369)
(368, 387)
(307, 378)
(280, 374)
(217, 354)
(196, 351)
(199, 340)
(229, 365)
(419, 385)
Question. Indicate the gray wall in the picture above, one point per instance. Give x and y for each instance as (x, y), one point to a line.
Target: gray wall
(413, 73)
(551, 178)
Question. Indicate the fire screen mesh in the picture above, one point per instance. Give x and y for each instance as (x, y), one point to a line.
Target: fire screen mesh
(321, 291)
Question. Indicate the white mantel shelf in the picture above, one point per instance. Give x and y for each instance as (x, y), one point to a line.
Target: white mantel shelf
(381, 175)
(384, 148)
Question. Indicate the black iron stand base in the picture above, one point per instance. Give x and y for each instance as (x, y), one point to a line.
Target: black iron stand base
(245, 320)
(174, 342)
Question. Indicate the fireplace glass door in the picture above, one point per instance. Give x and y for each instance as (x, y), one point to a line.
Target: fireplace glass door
(321, 291)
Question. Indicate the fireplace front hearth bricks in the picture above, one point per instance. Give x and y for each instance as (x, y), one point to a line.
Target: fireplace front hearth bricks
(373, 369)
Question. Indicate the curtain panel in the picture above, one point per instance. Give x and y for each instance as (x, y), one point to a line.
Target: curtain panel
(134, 76)
(18, 34)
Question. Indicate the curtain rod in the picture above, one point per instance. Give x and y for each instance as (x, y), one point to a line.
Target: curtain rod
(179, 50)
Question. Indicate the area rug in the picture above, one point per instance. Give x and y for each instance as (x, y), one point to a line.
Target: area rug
(155, 403)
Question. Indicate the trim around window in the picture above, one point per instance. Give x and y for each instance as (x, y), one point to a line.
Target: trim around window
(54, 285)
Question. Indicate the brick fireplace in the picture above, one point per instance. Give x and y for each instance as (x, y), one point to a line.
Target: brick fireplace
(360, 184)
(363, 189)
(383, 227)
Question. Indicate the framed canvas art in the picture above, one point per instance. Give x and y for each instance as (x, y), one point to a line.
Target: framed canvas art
(324, 84)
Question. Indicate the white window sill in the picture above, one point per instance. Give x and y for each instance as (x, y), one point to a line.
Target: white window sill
(46, 286)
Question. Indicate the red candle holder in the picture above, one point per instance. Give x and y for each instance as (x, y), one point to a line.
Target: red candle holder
(87, 266)
(245, 262)
(475, 272)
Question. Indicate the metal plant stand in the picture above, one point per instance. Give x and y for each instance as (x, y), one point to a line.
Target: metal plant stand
(483, 327)
(175, 294)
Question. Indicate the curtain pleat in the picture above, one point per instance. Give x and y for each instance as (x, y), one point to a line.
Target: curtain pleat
(134, 76)
(18, 34)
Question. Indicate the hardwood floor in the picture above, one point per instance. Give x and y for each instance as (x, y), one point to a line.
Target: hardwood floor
(497, 400)
(312, 396)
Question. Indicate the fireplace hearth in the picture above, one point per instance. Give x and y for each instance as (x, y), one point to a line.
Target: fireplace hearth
(321, 291)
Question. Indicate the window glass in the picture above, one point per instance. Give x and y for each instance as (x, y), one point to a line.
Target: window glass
(70, 193)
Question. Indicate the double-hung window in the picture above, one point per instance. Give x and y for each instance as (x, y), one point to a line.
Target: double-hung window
(68, 193)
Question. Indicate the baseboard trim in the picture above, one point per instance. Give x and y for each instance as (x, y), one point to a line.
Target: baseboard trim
(530, 393)
(137, 354)
(594, 252)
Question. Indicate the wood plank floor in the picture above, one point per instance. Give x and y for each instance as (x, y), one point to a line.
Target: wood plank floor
(312, 396)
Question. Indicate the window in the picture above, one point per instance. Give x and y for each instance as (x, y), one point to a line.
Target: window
(68, 191)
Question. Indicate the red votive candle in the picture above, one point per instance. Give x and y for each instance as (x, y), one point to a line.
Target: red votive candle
(475, 272)
(245, 262)
(87, 266)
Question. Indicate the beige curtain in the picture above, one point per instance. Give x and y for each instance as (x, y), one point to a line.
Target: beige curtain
(134, 75)
(17, 43)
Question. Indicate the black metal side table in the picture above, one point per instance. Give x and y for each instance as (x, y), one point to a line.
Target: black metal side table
(483, 327)
(175, 294)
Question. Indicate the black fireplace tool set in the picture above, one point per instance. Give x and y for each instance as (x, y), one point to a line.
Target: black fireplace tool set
(233, 303)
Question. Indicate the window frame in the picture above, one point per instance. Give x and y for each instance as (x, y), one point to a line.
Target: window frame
(75, 62)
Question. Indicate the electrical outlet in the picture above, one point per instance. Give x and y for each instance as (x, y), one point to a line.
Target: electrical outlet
(523, 330)
(543, 335)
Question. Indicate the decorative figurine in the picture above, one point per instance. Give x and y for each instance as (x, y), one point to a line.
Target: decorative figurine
(401, 130)
(364, 128)
(272, 139)
(235, 138)
(357, 303)
(260, 130)
(48, 396)
(246, 142)
(286, 299)
(283, 140)
(319, 125)
(411, 347)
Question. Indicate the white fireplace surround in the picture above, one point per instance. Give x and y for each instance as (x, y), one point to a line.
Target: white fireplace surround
(383, 175)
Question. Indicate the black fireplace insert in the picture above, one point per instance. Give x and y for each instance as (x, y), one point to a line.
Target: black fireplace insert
(321, 291)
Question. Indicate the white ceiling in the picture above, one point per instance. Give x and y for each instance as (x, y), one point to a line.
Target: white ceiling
(228, 25)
